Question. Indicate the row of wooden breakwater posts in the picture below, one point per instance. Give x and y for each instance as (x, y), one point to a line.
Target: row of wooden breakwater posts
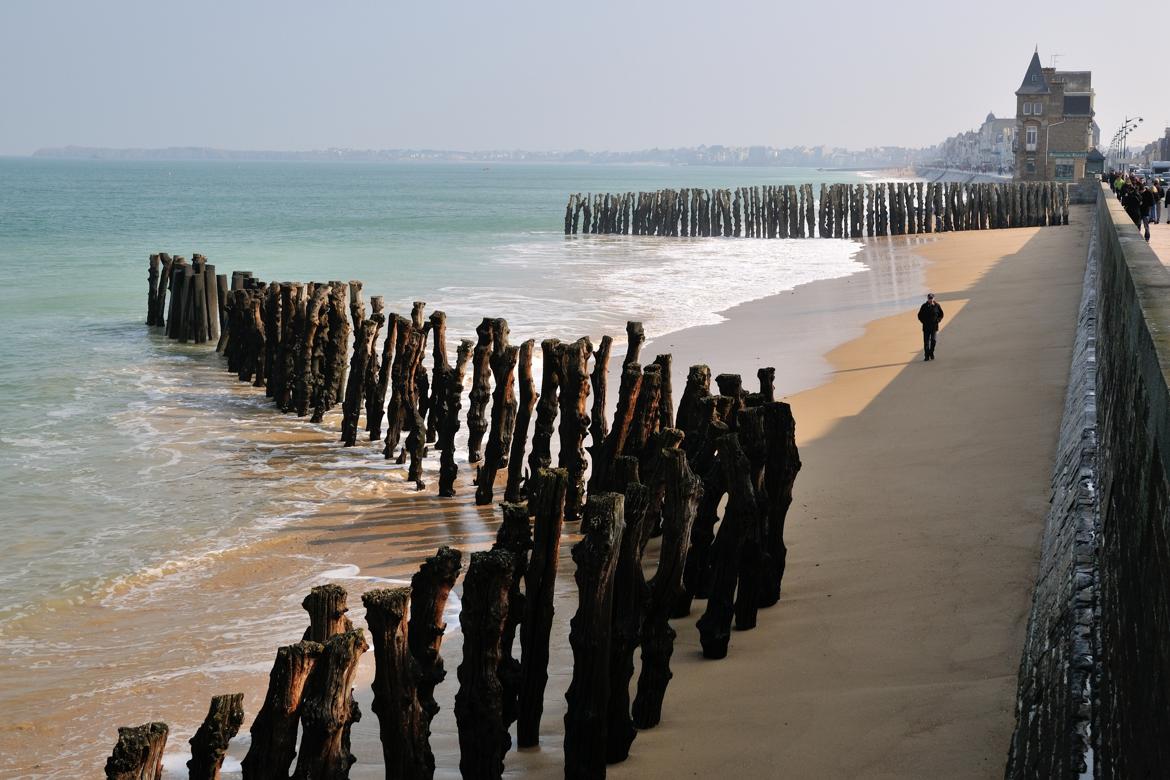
(714, 481)
(840, 211)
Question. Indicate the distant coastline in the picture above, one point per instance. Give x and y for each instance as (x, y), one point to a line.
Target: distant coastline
(751, 156)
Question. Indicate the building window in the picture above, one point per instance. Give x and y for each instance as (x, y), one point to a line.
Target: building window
(1027, 109)
(1064, 170)
(1030, 166)
(1030, 134)
(1038, 109)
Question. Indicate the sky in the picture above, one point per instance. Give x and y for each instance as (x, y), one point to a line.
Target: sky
(541, 74)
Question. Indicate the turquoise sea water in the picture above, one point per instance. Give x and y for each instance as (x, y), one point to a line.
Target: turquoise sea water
(128, 461)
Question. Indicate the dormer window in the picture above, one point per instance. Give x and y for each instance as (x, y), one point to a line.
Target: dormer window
(1034, 77)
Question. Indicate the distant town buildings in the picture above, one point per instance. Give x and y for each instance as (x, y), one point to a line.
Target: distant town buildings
(1055, 130)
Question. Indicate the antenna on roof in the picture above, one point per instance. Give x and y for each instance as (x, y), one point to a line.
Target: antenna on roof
(1054, 58)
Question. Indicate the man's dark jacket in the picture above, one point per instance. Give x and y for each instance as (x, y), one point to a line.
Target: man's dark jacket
(930, 314)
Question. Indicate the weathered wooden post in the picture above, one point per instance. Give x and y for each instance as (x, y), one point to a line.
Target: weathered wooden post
(210, 743)
(589, 635)
(138, 753)
(363, 348)
(477, 420)
(479, 706)
(430, 586)
(630, 595)
(437, 404)
(513, 492)
(740, 514)
(504, 407)
(451, 381)
(546, 503)
(328, 709)
(623, 420)
(402, 724)
(326, 607)
(515, 537)
(598, 424)
(274, 731)
(573, 378)
(546, 408)
(681, 500)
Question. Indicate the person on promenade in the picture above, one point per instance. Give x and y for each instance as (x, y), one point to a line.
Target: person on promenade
(1147, 208)
(930, 314)
(1159, 193)
(1131, 201)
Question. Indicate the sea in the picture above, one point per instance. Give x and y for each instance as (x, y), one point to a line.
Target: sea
(134, 469)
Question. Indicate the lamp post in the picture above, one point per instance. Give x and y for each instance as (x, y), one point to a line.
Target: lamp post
(1128, 126)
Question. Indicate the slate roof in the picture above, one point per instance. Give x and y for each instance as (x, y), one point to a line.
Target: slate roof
(1034, 81)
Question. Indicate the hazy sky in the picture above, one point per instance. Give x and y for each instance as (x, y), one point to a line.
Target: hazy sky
(545, 74)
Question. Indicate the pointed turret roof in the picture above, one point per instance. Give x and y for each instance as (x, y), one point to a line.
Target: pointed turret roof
(1034, 81)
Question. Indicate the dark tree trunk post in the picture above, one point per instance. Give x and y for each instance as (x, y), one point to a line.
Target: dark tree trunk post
(690, 406)
(504, 406)
(715, 624)
(646, 417)
(515, 537)
(754, 561)
(274, 732)
(210, 743)
(767, 377)
(416, 433)
(680, 505)
(326, 607)
(437, 403)
(780, 469)
(333, 379)
(666, 394)
(546, 409)
(328, 710)
(373, 367)
(363, 349)
(514, 491)
(479, 705)
(138, 754)
(598, 424)
(630, 595)
(152, 293)
(546, 503)
(396, 408)
(403, 726)
(623, 420)
(705, 462)
(376, 403)
(451, 381)
(477, 421)
(430, 587)
(596, 557)
(635, 337)
(573, 375)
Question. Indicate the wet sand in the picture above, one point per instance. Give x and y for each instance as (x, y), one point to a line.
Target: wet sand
(913, 539)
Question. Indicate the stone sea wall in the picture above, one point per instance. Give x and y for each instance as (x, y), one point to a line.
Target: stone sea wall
(1094, 693)
(1132, 718)
(1053, 709)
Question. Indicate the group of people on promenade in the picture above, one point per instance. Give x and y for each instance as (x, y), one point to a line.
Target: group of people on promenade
(1142, 199)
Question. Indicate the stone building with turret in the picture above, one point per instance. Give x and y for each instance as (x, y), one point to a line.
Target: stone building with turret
(1054, 123)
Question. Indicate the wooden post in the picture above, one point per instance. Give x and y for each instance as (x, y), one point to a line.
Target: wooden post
(705, 462)
(376, 401)
(630, 595)
(681, 501)
(363, 349)
(430, 586)
(781, 467)
(152, 291)
(477, 420)
(438, 403)
(635, 336)
(715, 624)
(504, 407)
(328, 709)
(589, 635)
(623, 421)
(573, 376)
(547, 504)
(753, 562)
(138, 753)
(690, 406)
(479, 706)
(514, 536)
(514, 490)
(401, 384)
(274, 732)
(210, 743)
(403, 726)
(767, 377)
(326, 607)
(451, 381)
(211, 302)
(598, 423)
(666, 394)
(546, 408)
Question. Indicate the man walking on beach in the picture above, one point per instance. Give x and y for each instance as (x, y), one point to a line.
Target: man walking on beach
(930, 314)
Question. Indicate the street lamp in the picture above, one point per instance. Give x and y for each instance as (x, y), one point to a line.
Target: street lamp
(1128, 127)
